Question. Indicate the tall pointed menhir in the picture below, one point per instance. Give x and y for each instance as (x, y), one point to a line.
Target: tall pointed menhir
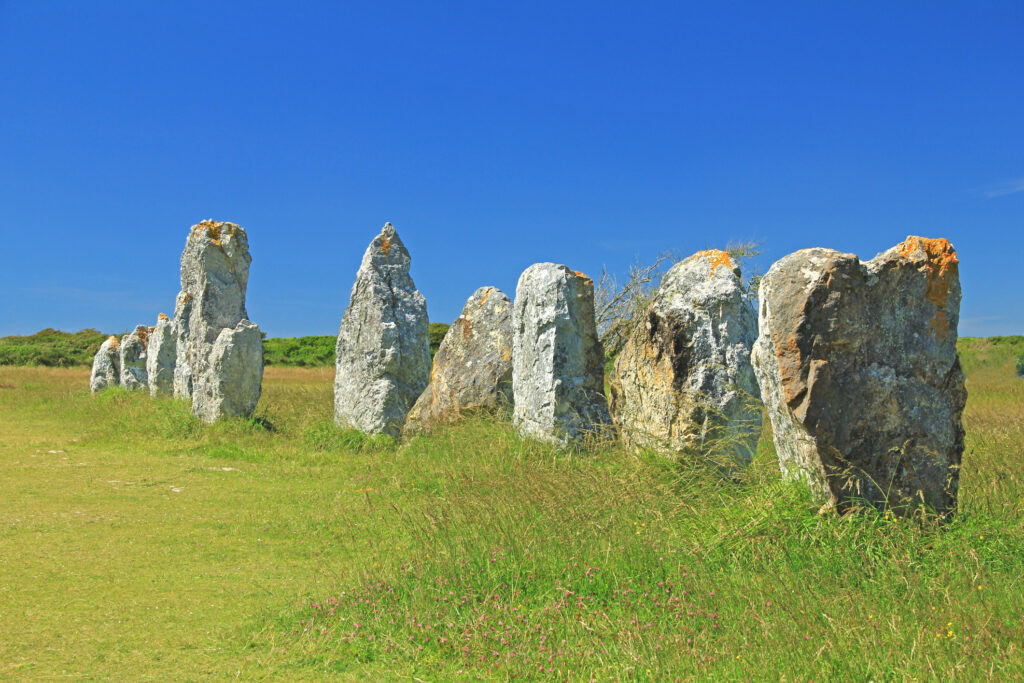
(382, 357)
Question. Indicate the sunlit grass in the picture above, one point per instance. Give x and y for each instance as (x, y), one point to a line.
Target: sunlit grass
(148, 545)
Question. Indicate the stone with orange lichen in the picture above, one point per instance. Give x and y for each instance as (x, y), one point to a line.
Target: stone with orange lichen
(557, 358)
(133, 359)
(472, 369)
(106, 366)
(859, 372)
(382, 359)
(683, 383)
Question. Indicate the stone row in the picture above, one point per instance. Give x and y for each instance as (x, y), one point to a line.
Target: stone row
(855, 362)
(210, 352)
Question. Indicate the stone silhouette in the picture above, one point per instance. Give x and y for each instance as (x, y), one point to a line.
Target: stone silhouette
(472, 369)
(133, 359)
(557, 359)
(683, 382)
(106, 366)
(214, 277)
(161, 357)
(858, 369)
(383, 350)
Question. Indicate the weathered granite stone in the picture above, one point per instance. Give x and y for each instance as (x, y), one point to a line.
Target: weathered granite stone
(214, 276)
(106, 366)
(472, 368)
(133, 359)
(228, 385)
(383, 350)
(557, 359)
(161, 356)
(859, 372)
(683, 382)
(182, 368)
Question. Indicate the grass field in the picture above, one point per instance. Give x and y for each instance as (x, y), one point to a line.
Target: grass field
(136, 543)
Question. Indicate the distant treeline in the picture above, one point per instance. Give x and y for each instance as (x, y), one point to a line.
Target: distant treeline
(53, 348)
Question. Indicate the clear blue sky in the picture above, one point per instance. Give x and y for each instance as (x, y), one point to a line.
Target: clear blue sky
(494, 137)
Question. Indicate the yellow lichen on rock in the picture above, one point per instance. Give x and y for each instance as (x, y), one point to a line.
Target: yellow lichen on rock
(942, 265)
(385, 245)
(162, 316)
(114, 342)
(717, 257)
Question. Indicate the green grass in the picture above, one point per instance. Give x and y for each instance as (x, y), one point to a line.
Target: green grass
(149, 546)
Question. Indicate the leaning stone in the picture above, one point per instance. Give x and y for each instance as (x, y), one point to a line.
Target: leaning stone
(383, 352)
(230, 386)
(472, 369)
(106, 366)
(182, 367)
(133, 359)
(161, 356)
(859, 372)
(557, 359)
(683, 382)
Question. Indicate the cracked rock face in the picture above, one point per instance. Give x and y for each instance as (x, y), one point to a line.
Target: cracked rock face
(859, 373)
(161, 357)
(472, 370)
(133, 359)
(383, 351)
(227, 386)
(557, 359)
(683, 382)
(106, 366)
(182, 369)
(214, 277)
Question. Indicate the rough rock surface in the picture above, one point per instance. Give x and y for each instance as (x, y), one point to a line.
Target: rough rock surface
(214, 276)
(557, 359)
(383, 351)
(228, 386)
(133, 359)
(161, 356)
(858, 369)
(472, 368)
(182, 368)
(683, 382)
(106, 366)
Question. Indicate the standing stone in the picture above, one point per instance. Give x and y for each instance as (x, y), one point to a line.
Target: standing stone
(383, 352)
(182, 368)
(106, 366)
(472, 369)
(161, 356)
(214, 276)
(133, 359)
(683, 382)
(228, 387)
(557, 359)
(858, 368)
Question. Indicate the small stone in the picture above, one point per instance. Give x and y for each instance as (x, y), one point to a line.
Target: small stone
(106, 366)
(161, 357)
(231, 383)
(683, 382)
(557, 358)
(383, 351)
(472, 368)
(133, 359)
(859, 372)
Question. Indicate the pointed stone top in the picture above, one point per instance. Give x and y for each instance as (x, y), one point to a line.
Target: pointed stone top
(386, 250)
(113, 341)
(162, 316)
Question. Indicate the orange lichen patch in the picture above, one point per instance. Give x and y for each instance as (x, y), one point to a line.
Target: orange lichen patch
(143, 333)
(483, 300)
(582, 275)
(717, 258)
(941, 263)
(115, 343)
(162, 316)
(385, 245)
(216, 230)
